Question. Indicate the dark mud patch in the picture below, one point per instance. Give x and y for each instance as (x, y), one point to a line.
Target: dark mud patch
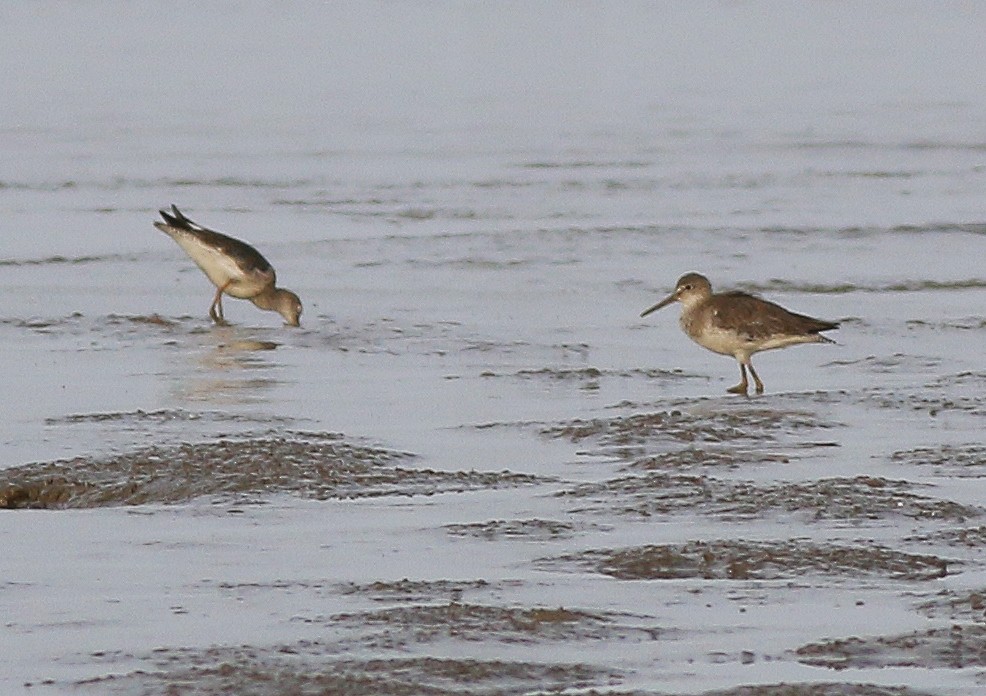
(701, 458)
(416, 591)
(861, 498)
(947, 460)
(590, 378)
(637, 435)
(311, 667)
(60, 260)
(963, 324)
(77, 323)
(390, 592)
(933, 402)
(524, 530)
(160, 417)
(956, 607)
(47, 325)
(776, 285)
(142, 319)
(952, 647)
(398, 628)
(970, 537)
(975, 381)
(310, 465)
(738, 560)
(828, 689)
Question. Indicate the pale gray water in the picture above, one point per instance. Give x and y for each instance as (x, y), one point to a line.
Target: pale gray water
(475, 201)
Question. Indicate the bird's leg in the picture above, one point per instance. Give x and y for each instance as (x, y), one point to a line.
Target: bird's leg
(756, 379)
(216, 308)
(742, 386)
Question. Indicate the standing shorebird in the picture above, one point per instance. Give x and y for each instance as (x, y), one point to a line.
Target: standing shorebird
(234, 267)
(738, 324)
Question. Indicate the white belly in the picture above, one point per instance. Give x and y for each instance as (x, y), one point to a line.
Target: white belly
(741, 345)
(718, 341)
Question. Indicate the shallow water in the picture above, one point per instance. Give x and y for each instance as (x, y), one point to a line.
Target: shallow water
(475, 469)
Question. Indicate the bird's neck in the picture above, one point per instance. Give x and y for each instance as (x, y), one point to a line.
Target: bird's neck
(268, 299)
(691, 303)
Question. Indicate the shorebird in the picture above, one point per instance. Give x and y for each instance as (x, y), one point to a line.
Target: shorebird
(738, 324)
(234, 267)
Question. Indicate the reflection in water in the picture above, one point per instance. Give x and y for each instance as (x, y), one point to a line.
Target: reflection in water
(233, 369)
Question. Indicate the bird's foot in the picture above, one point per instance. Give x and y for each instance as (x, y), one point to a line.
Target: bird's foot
(740, 388)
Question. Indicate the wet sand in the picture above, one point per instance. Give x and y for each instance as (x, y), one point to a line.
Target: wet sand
(619, 527)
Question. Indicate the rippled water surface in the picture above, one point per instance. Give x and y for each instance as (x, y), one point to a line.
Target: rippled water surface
(474, 469)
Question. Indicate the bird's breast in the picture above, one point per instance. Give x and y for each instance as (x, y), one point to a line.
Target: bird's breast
(711, 336)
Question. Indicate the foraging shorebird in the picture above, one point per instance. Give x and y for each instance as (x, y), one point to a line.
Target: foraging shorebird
(234, 267)
(738, 324)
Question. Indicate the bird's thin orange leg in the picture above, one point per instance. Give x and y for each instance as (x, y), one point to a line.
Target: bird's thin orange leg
(216, 308)
(756, 379)
(743, 385)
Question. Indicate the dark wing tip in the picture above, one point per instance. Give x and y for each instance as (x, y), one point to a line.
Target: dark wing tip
(169, 218)
(176, 218)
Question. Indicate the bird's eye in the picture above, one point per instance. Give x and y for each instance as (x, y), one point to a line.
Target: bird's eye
(687, 287)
